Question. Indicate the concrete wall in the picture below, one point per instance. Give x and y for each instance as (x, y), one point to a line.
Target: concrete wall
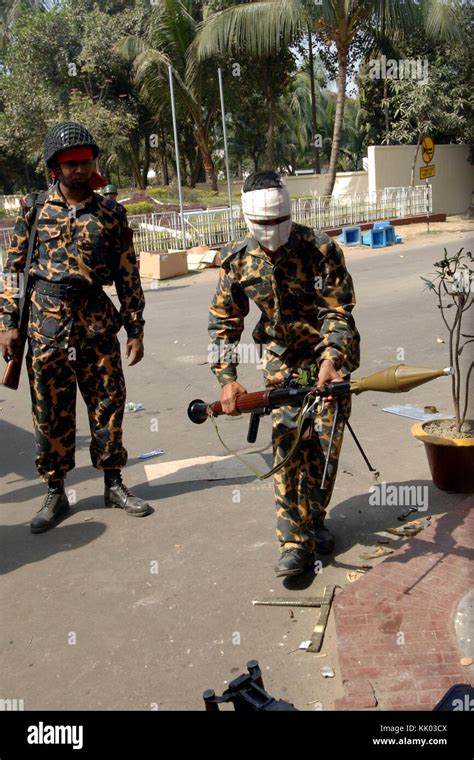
(453, 183)
(307, 185)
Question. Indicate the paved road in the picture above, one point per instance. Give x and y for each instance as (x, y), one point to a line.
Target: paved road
(87, 623)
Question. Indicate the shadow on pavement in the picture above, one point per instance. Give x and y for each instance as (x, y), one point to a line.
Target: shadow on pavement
(19, 547)
(356, 523)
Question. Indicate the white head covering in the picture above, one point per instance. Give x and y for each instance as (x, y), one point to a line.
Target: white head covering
(266, 204)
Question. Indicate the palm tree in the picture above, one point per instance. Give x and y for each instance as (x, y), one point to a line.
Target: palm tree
(264, 27)
(171, 31)
(354, 136)
(294, 140)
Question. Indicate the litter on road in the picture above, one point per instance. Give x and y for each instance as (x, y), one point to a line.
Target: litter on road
(150, 454)
(378, 551)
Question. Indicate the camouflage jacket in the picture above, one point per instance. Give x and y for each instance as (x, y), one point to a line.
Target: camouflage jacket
(90, 244)
(306, 298)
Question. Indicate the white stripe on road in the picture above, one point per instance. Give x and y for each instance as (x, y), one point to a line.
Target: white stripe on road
(202, 468)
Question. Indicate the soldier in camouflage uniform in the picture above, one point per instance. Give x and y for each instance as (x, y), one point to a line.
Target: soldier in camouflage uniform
(110, 193)
(298, 279)
(83, 244)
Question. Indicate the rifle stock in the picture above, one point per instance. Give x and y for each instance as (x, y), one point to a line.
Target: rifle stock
(12, 372)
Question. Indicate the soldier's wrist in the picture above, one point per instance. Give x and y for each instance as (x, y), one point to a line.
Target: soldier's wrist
(7, 326)
(226, 380)
(134, 332)
(334, 356)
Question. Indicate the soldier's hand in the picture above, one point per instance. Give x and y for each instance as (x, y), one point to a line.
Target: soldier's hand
(10, 343)
(327, 374)
(134, 351)
(229, 394)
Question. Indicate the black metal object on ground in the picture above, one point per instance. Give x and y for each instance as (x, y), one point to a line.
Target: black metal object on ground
(247, 693)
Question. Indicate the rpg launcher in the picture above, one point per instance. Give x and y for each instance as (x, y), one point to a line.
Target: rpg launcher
(398, 378)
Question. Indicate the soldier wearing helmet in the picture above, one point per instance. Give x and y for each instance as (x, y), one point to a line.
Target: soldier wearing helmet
(83, 243)
(110, 192)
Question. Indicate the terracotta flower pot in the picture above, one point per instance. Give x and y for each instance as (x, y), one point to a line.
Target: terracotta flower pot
(451, 460)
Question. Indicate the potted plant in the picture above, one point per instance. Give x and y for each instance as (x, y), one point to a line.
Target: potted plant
(449, 443)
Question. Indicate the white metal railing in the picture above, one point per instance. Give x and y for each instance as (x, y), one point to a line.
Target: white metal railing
(5, 240)
(212, 226)
(162, 231)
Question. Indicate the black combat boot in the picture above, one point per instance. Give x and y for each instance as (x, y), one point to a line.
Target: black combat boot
(55, 504)
(117, 495)
(323, 538)
(294, 561)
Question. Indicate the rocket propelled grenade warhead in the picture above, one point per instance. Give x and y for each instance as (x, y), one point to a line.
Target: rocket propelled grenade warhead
(398, 378)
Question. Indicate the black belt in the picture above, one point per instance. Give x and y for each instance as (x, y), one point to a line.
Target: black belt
(66, 292)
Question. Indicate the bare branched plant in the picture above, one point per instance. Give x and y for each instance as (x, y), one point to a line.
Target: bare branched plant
(453, 285)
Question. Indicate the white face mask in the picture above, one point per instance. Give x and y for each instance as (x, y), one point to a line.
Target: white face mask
(265, 205)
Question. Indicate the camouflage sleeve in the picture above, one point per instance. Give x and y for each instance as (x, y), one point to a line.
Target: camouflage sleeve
(228, 309)
(128, 284)
(339, 339)
(14, 266)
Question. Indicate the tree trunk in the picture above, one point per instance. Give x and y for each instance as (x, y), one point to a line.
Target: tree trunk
(146, 161)
(317, 163)
(412, 182)
(137, 175)
(189, 164)
(209, 168)
(165, 175)
(196, 169)
(338, 120)
(385, 107)
(270, 98)
(164, 160)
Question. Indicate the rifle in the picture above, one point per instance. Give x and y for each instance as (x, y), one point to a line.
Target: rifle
(11, 375)
(397, 378)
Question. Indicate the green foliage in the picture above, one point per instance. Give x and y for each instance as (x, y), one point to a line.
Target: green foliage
(194, 196)
(398, 111)
(140, 208)
(64, 60)
(105, 63)
(4, 214)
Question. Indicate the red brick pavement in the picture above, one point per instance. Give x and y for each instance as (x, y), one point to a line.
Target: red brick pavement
(396, 639)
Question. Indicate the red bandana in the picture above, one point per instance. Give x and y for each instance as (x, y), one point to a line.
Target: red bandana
(80, 154)
(75, 154)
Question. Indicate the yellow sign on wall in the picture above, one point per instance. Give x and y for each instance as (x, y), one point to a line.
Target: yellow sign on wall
(427, 171)
(427, 149)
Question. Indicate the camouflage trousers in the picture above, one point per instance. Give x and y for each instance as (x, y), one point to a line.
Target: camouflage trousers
(54, 374)
(297, 486)
(298, 494)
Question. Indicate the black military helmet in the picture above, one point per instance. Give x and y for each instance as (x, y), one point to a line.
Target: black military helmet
(69, 134)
